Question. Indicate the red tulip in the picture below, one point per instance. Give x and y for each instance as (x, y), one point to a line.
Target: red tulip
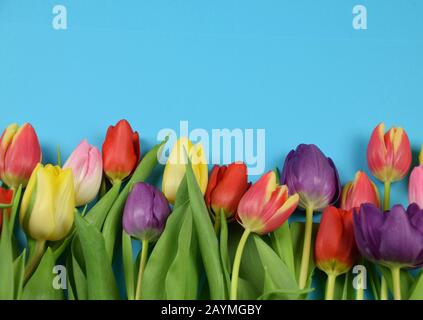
(335, 248)
(20, 152)
(361, 190)
(6, 197)
(227, 185)
(389, 154)
(121, 151)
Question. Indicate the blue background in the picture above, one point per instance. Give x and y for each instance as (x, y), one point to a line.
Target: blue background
(296, 68)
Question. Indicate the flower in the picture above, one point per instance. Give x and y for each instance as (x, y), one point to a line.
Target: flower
(394, 238)
(121, 151)
(20, 151)
(335, 249)
(174, 170)
(389, 154)
(146, 211)
(266, 205)
(308, 172)
(6, 197)
(415, 186)
(48, 204)
(227, 184)
(361, 190)
(87, 169)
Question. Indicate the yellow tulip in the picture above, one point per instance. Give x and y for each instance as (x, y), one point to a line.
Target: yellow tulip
(421, 156)
(48, 204)
(175, 167)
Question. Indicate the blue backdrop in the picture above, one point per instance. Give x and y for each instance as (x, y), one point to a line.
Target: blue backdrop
(295, 68)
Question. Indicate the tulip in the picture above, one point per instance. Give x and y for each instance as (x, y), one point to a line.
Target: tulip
(20, 152)
(6, 197)
(393, 239)
(389, 156)
(144, 217)
(421, 156)
(415, 186)
(227, 184)
(174, 170)
(335, 249)
(361, 190)
(87, 169)
(308, 172)
(121, 151)
(47, 208)
(262, 209)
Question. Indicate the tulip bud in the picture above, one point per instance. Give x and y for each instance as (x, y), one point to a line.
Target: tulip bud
(48, 204)
(335, 250)
(87, 169)
(415, 186)
(308, 172)
(227, 184)
(20, 151)
(389, 154)
(361, 190)
(146, 211)
(174, 170)
(121, 151)
(266, 205)
(6, 197)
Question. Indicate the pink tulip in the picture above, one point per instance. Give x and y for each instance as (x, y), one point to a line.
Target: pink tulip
(415, 187)
(87, 168)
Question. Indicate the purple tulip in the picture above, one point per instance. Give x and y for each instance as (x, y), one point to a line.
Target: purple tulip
(393, 238)
(145, 213)
(308, 172)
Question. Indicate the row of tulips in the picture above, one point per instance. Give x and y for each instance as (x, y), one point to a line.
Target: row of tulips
(73, 213)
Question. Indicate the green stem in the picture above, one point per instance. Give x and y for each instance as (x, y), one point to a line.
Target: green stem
(386, 195)
(217, 222)
(330, 286)
(360, 289)
(143, 261)
(396, 281)
(305, 259)
(34, 259)
(386, 206)
(237, 263)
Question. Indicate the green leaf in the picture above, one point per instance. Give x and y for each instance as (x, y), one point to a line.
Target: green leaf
(40, 285)
(6, 263)
(98, 213)
(373, 278)
(209, 246)
(282, 244)
(224, 255)
(59, 247)
(101, 282)
(80, 284)
(113, 223)
(246, 290)
(162, 256)
(182, 277)
(416, 292)
(128, 265)
(18, 273)
(277, 274)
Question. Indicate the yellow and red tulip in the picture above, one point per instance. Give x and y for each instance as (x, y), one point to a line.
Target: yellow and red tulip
(389, 154)
(361, 190)
(20, 152)
(266, 205)
(48, 204)
(175, 168)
